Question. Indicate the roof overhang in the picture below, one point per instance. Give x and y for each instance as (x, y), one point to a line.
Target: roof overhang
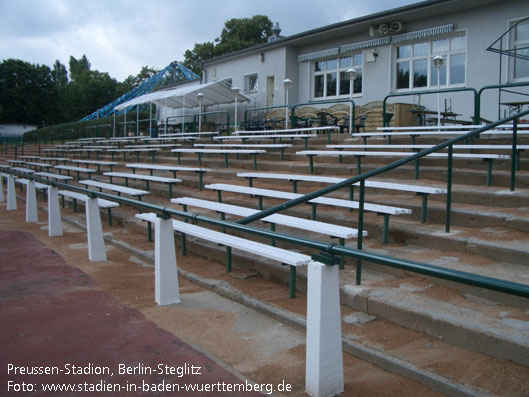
(212, 94)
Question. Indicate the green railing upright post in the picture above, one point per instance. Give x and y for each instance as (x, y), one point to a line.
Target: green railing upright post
(514, 153)
(359, 239)
(449, 190)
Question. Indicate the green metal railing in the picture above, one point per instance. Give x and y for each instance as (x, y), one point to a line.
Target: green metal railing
(265, 108)
(175, 117)
(315, 103)
(496, 86)
(475, 98)
(330, 251)
(362, 177)
(227, 113)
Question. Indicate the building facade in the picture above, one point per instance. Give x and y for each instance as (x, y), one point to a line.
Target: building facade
(392, 52)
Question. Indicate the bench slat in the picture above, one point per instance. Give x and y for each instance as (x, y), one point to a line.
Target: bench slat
(255, 248)
(115, 188)
(383, 209)
(285, 220)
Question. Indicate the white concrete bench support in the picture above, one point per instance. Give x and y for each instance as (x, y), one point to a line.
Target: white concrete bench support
(166, 290)
(94, 231)
(2, 199)
(31, 202)
(324, 363)
(11, 193)
(54, 213)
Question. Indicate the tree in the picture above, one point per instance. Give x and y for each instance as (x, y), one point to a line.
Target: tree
(242, 33)
(78, 66)
(27, 93)
(238, 33)
(59, 74)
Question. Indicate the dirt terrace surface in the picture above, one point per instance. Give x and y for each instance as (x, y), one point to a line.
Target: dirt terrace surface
(61, 308)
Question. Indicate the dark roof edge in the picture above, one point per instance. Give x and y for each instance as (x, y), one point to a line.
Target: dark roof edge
(337, 25)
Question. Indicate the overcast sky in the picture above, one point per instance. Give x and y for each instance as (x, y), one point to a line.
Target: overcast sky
(121, 36)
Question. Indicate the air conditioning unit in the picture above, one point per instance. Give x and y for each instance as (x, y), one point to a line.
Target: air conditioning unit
(396, 26)
(383, 28)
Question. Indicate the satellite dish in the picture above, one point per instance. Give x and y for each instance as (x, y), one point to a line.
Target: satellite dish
(372, 30)
(383, 28)
(396, 26)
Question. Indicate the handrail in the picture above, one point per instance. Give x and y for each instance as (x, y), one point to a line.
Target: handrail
(476, 107)
(214, 112)
(175, 117)
(491, 283)
(353, 109)
(500, 86)
(265, 108)
(391, 166)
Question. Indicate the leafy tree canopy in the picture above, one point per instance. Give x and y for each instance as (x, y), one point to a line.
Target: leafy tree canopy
(238, 33)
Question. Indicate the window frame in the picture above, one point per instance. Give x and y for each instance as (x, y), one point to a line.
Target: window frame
(338, 70)
(246, 80)
(430, 69)
(513, 44)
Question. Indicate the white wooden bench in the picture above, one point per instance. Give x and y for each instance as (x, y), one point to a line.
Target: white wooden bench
(23, 170)
(110, 164)
(30, 158)
(286, 257)
(78, 170)
(274, 137)
(56, 160)
(146, 178)
(383, 210)
(327, 129)
(115, 188)
(151, 151)
(265, 146)
(154, 146)
(16, 162)
(423, 191)
(102, 203)
(35, 164)
(359, 154)
(289, 130)
(429, 133)
(171, 168)
(23, 181)
(51, 175)
(87, 151)
(471, 148)
(225, 152)
(335, 231)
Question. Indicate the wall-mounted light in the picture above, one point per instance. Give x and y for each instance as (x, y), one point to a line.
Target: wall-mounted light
(262, 57)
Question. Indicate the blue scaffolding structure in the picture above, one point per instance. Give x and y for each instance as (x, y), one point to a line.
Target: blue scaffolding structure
(174, 72)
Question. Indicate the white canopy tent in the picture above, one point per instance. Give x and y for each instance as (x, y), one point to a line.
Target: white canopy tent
(186, 97)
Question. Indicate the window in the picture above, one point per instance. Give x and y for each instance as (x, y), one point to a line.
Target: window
(414, 67)
(520, 44)
(250, 82)
(227, 81)
(331, 78)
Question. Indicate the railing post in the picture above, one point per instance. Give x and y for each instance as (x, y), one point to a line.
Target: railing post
(324, 364)
(514, 153)
(166, 290)
(449, 189)
(359, 240)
